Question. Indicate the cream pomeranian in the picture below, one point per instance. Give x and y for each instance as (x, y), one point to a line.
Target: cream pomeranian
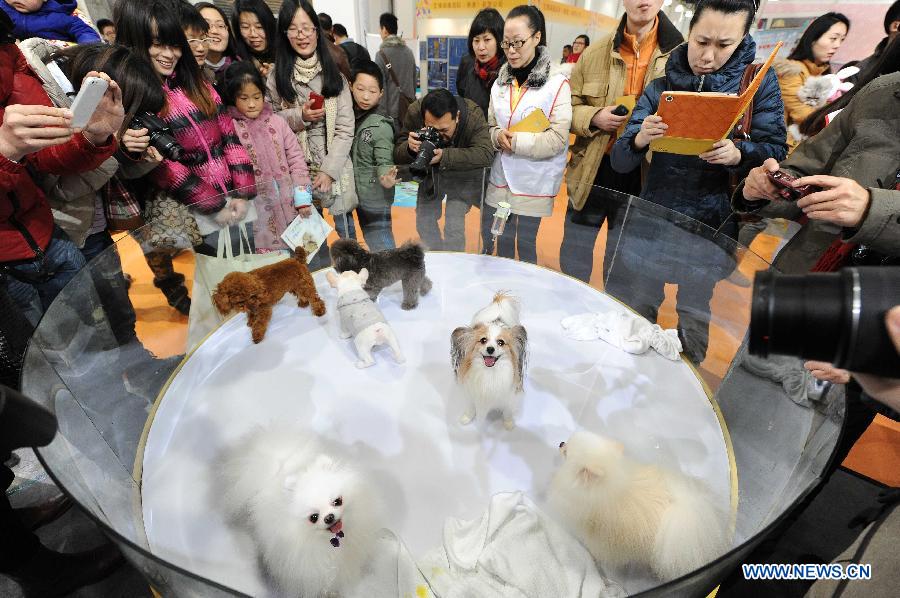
(489, 360)
(628, 512)
(314, 519)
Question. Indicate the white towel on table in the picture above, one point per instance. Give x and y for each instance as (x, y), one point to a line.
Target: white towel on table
(513, 551)
(625, 330)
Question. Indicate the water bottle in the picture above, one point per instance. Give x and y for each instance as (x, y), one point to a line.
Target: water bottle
(500, 218)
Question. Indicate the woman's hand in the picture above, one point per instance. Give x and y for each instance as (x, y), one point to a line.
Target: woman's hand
(841, 201)
(323, 182)
(758, 185)
(304, 211)
(827, 372)
(724, 152)
(239, 207)
(107, 118)
(153, 155)
(310, 115)
(652, 128)
(505, 140)
(225, 216)
(136, 141)
(389, 179)
(264, 69)
(27, 129)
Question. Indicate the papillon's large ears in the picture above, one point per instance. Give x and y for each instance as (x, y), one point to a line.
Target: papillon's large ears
(363, 276)
(460, 341)
(332, 279)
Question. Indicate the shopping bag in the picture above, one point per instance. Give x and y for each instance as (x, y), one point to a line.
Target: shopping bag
(209, 272)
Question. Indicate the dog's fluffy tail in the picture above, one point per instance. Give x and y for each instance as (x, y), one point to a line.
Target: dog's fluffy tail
(412, 252)
(504, 308)
(692, 532)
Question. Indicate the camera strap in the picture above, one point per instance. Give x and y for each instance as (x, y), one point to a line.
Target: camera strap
(463, 118)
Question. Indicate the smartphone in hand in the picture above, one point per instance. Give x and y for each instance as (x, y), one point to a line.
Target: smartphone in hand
(318, 100)
(87, 100)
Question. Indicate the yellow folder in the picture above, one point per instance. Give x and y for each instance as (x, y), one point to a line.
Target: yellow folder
(535, 122)
(698, 119)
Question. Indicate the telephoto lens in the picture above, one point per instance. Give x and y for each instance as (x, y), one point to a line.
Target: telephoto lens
(833, 317)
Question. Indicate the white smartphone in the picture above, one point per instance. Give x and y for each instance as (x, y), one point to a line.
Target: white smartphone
(89, 96)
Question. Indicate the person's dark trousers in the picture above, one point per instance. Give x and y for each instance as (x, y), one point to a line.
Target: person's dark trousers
(428, 211)
(582, 226)
(167, 280)
(111, 286)
(520, 234)
(17, 544)
(377, 228)
(345, 227)
(62, 261)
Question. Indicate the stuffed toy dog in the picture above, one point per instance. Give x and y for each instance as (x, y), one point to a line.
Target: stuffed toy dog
(406, 264)
(256, 292)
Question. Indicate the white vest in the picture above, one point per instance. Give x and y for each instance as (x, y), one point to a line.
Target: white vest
(526, 176)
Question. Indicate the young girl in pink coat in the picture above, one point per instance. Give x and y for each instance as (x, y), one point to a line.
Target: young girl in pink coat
(283, 182)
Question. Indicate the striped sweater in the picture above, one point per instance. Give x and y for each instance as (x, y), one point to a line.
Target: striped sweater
(219, 164)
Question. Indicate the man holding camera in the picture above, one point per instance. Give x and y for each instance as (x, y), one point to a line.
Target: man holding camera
(453, 132)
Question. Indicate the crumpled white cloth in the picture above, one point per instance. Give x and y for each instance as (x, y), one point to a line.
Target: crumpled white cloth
(625, 330)
(513, 551)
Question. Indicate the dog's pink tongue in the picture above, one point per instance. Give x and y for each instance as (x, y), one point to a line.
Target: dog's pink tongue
(336, 527)
(489, 361)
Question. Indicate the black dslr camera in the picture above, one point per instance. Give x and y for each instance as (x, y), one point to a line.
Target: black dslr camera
(431, 140)
(836, 317)
(161, 136)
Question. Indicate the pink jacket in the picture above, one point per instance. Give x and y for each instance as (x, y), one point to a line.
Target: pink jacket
(273, 147)
(218, 162)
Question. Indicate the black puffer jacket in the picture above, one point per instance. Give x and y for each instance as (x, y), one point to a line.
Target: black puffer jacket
(687, 184)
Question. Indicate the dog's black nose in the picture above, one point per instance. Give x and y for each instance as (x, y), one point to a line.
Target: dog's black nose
(329, 519)
(490, 350)
(562, 444)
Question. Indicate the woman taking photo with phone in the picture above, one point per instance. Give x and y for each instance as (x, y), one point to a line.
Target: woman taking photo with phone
(307, 89)
(528, 168)
(650, 254)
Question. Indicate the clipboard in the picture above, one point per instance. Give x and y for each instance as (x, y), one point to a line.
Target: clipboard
(535, 122)
(697, 120)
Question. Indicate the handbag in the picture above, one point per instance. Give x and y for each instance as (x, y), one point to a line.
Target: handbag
(209, 272)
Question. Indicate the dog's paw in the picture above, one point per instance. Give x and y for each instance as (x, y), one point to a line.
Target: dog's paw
(466, 418)
(399, 358)
(345, 335)
(509, 423)
(408, 305)
(361, 365)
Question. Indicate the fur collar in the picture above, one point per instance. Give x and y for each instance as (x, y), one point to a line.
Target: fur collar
(543, 69)
(392, 41)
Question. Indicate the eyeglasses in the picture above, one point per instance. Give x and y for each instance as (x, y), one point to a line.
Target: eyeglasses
(199, 43)
(516, 44)
(300, 31)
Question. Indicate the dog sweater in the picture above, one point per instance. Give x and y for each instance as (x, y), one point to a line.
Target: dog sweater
(358, 312)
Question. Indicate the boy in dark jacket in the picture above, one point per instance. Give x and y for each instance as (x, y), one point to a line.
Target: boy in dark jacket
(371, 154)
(48, 19)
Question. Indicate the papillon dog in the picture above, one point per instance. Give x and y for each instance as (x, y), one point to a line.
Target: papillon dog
(625, 512)
(314, 518)
(489, 360)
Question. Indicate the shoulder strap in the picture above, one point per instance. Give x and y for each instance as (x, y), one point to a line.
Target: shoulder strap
(390, 68)
(742, 130)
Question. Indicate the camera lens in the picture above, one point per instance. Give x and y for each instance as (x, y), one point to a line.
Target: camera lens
(833, 317)
(419, 166)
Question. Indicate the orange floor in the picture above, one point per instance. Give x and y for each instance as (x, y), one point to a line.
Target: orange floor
(876, 455)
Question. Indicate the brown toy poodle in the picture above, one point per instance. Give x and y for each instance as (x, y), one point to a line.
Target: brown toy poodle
(256, 292)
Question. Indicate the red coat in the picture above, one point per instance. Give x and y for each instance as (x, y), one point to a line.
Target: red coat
(28, 207)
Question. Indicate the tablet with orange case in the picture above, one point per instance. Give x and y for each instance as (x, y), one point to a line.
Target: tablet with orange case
(698, 119)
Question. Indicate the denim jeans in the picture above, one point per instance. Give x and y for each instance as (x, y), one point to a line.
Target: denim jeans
(62, 260)
(377, 228)
(105, 268)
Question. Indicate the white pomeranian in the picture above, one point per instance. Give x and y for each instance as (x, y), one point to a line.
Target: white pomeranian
(628, 512)
(314, 519)
(489, 360)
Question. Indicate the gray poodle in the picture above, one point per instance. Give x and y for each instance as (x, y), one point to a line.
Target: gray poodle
(406, 264)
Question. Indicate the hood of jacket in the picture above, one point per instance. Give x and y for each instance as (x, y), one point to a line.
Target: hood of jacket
(544, 68)
(680, 77)
(236, 114)
(392, 41)
(667, 35)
